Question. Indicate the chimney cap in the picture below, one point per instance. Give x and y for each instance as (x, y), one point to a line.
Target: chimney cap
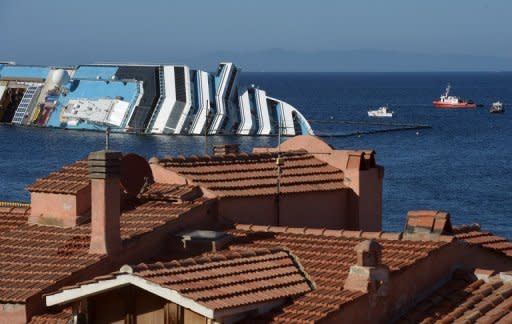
(105, 155)
(223, 149)
(104, 164)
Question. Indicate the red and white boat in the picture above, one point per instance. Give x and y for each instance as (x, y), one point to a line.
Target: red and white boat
(447, 101)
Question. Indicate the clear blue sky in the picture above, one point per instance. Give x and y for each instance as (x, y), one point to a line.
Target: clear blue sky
(74, 31)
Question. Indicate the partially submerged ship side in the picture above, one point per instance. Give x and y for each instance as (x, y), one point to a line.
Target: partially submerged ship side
(153, 99)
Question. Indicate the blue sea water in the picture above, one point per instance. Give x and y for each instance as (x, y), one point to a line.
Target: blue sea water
(461, 165)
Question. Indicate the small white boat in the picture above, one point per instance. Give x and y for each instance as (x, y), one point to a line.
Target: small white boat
(497, 107)
(381, 112)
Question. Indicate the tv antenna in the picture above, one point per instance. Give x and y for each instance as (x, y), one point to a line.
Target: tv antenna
(107, 139)
(206, 127)
(279, 165)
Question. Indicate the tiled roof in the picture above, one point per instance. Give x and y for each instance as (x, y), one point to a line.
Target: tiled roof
(152, 214)
(62, 317)
(226, 279)
(473, 235)
(34, 257)
(464, 299)
(255, 174)
(68, 180)
(12, 217)
(326, 256)
(229, 280)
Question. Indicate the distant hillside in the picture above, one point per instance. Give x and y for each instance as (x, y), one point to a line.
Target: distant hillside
(279, 60)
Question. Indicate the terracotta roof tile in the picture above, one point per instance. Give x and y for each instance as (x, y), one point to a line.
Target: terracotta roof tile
(472, 235)
(61, 317)
(256, 268)
(12, 217)
(68, 180)
(235, 279)
(256, 173)
(465, 299)
(34, 257)
(152, 214)
(326, 256)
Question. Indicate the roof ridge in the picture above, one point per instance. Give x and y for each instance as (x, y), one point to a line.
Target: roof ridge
(243, 156)
(465, 228)
(382, 235)
(14, 204)
(321, 231)
(301, 268)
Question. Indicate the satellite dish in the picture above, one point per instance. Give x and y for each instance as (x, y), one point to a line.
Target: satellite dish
(135, 172)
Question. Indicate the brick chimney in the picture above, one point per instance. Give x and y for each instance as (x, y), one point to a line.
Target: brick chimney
(368, 275)
(104, 171)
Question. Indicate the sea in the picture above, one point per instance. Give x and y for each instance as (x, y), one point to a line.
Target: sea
(461, 164)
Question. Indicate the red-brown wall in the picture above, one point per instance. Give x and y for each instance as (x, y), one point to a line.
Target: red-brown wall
(408, 287)
(312, 209)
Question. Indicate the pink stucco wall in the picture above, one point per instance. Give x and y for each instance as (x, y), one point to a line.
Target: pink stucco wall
(59, 209)
(12, 314)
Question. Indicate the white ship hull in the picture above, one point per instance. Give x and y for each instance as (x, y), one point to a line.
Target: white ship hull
(153, 99)
(381, 112)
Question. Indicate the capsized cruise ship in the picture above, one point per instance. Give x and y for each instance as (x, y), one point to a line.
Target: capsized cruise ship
(153, 99)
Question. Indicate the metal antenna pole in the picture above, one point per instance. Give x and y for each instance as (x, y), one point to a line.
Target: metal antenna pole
(206, 127)
(278, 136)
(279, 164)
(107, 138)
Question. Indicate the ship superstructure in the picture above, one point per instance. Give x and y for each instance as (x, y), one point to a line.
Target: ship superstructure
(448, 101)
(153, 99)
